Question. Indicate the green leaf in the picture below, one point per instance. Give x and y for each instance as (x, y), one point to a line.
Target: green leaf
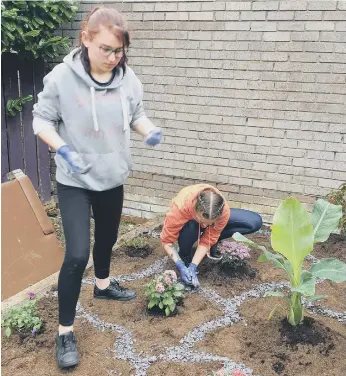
(306, 287)
(325, 218)
(167, 311)
(172, 307)
(33, 33)
(161, 305)
(271, 314)
(292, 233)
(237, 236)
(316, 297)
(329, 268)
(8, 331)
(274, 293)
(152, 303)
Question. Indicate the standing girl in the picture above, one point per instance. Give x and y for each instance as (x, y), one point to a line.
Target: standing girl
(85, 112)
(200, 213)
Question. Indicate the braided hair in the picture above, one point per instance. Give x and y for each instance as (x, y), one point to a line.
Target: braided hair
(210, 204)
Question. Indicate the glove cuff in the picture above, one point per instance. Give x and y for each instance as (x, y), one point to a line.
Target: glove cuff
(193, 267)
(63, 150)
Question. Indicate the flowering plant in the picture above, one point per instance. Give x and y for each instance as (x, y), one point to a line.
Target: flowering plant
(234, 254)
(23, 319)
(164, 292)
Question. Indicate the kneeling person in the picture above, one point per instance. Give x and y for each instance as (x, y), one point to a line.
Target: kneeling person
(200, 213)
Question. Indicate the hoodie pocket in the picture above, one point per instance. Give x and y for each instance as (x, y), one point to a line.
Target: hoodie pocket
(107, 170)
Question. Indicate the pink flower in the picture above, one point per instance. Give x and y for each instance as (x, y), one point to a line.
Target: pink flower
(170, 277)
(160, 288)
(31, 295)
(236, 372)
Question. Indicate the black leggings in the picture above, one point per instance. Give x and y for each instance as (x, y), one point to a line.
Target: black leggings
(75, 204)
(241, 220)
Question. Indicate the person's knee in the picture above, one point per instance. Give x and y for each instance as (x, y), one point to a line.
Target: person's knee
(256, 222)
(76, 264)
(191, 226)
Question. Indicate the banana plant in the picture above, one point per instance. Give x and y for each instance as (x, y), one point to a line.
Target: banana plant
(294, 233)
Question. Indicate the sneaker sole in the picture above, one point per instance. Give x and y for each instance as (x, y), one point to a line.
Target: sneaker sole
(118, 299)
(68, 365)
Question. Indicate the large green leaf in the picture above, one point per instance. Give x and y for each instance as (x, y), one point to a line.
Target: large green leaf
(237, 236)
(306, 287)
(292, 233)
(325, 218)
(329, 268)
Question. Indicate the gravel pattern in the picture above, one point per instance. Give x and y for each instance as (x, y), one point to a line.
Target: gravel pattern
(124, 348)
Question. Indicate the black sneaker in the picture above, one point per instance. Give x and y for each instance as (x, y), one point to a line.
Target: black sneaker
(114, 292)
(215, 254)
(66, 350)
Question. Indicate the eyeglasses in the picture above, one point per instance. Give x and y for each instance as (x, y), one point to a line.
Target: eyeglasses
(106, 52)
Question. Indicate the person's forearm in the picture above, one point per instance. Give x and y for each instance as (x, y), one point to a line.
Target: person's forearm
(144, 127)
(51, 138)
(172, 252)
(199, 255)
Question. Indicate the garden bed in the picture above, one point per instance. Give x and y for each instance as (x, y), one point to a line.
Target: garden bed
(225, 321)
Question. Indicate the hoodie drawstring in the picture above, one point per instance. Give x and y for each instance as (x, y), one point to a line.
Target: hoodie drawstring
(93, 108)
(123, 107)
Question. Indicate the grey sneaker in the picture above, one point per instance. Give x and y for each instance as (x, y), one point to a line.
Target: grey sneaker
(114, 292)
(66, 350)
(215, 254)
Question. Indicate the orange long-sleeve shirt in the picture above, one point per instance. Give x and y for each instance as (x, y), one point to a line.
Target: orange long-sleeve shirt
(182, 210)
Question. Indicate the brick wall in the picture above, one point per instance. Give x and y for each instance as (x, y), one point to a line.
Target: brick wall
(251, 96)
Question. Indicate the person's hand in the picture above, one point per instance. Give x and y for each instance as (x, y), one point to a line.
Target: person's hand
(184, 272)
(193, 271)
(154, 137)
(73, 159)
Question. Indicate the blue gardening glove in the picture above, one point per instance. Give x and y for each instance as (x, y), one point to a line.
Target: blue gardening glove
(73, 159)
(154, 137)
(184, 272)
(193, 270)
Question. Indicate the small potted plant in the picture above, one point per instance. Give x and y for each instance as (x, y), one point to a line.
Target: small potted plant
(164, 294)
(137, 247)
(234, 259)
(23, 319)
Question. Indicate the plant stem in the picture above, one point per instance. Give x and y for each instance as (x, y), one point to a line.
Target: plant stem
(296, 314)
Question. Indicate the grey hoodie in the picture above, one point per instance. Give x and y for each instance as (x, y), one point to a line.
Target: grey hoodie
(94, 120)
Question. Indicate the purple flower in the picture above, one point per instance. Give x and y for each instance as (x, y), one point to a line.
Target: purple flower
(34, 332)
(31, 295)
(236, 250)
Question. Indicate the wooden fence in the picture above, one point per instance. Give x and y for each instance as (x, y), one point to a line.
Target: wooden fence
(20, 148)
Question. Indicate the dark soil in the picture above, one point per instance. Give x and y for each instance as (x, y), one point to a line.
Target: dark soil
(335, 246)
(138, 252)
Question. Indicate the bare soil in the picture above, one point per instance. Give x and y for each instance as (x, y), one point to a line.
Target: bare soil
(269, 347)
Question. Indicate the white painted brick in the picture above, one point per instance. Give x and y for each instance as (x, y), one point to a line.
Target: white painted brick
(177, 16)
(328, 36)
(322, 25)
(262, 26)
(341, 5)
(335, 16)
(281, 15)
(290, 26)
(200, 35)
(240, 25)
(238, 5)
(265, 5)
(213, 6)
(259, 16)
(340, 26)
(293, 5)
(311, 16)
(278, 36)
(201, 16)
(166, 7)
(143, 7)
(226, 16)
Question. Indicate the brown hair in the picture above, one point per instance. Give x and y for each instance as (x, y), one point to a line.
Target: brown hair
(210, 204)
(112, 20)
